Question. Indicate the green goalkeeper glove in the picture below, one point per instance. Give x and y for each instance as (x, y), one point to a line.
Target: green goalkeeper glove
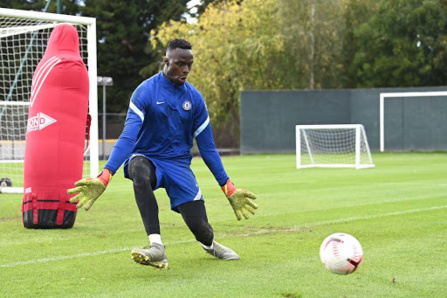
(88, 190)
(239, 200)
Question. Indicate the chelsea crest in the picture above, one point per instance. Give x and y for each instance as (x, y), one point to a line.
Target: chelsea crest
(186, 105)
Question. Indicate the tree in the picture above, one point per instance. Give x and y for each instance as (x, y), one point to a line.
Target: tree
(236, 46)
(202, 5)
(70, 7)
(123, 31)
(313, 33)
(403, 45)
(356, 13)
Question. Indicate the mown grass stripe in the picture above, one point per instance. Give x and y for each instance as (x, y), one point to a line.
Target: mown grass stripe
(291, 229)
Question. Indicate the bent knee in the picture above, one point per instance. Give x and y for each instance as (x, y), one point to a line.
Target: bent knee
(142, 171)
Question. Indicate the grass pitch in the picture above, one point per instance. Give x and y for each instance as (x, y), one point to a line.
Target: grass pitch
(398, 212)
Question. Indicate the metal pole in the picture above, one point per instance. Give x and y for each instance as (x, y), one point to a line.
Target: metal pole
(104, 121)
(104, 82)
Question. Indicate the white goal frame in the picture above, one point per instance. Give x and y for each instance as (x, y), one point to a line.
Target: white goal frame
(359, 134)
(385, 95)
(49, 20)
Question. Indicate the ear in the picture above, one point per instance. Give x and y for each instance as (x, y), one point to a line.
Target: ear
(166, 61)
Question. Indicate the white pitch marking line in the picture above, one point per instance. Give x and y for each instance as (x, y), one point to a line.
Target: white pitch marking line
(321, 223)
(60, 258)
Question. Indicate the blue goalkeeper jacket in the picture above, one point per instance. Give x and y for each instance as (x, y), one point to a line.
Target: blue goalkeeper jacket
(162, 121)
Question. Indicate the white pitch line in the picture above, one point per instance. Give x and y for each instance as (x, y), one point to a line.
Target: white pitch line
(320, 223)
(61, 258)
(328, 222)
(81, 255)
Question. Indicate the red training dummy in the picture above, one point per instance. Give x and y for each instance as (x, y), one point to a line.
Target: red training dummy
(56, 132)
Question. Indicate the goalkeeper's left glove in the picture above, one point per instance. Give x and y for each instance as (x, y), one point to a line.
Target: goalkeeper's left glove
(240, 200)
(88, 190)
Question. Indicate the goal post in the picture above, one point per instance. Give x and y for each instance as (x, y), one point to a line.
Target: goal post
(332, 146)
(385, 95)
(24, 36)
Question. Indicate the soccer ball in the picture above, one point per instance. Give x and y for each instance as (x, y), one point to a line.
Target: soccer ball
(341, 253)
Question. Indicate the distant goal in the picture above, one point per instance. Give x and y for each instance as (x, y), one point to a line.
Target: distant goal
(23, 37)
(332, 146)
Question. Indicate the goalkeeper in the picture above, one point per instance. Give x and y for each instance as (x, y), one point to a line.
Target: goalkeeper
(165, 114)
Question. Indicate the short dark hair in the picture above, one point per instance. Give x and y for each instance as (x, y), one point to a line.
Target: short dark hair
(179, 43)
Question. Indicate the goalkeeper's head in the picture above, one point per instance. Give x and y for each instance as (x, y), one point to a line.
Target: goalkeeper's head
(178, 61)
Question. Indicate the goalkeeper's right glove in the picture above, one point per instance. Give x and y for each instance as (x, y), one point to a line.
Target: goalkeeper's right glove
(88, 190)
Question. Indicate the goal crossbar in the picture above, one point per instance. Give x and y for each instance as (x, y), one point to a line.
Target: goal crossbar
(36, 15)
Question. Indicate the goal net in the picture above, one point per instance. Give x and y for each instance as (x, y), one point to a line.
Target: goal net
(23, 37)
(337, 145)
